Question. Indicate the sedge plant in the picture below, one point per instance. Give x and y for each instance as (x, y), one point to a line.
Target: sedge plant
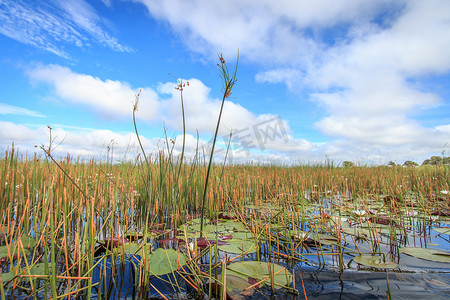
(228, 82)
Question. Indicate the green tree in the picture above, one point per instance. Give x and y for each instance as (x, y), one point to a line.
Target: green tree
(410, 163)
(348, 164)
(436, 160)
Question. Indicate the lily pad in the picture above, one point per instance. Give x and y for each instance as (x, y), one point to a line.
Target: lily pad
(374, 261)
(163, 261)
(242, 235)
(7, 276)
(238, 247)
(237, 288)
(28, 242)
(37, 269)
(427, 254)
(13, 251)
(260, 271)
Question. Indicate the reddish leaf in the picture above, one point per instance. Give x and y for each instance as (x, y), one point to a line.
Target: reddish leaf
(158, 226)
(4, 259)
(442, 213)
(383, 220)
(114, 242)
(391, 200)
(203, 243)
(227, 217)
(309, 242)
(226, 237)
(252, 281)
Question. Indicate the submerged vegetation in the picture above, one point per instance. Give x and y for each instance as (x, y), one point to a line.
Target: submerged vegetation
(169, 227)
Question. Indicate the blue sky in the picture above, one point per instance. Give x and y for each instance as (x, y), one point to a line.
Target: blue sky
(366, 81)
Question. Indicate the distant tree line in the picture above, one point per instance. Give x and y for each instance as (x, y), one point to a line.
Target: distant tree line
(437, 160)
(432, 161)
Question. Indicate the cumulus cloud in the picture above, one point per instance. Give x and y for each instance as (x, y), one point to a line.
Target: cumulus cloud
(265, 31)
(113, 99)
(83, 142)
(51, 25)
(109, 98)
(90, 143)
(361, 62)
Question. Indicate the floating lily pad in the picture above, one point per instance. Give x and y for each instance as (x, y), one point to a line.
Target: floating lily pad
(28, 242)
(13, 251)
(238, 247)
(163, 261)
(428, 254)
(229, 225)
(359, 233)
(242, 235)
(374, 261)
(37, 269)
(7, 276)
(236, 287)
(260, 271)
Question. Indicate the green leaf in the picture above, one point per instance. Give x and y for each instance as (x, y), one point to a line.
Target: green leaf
(374, 261)
(162, 261)
(428, 254)
(28, 242)
(242, 235)
(260, 271)
(238, 247)
(236, 287)
(7, 276)
(13, 249)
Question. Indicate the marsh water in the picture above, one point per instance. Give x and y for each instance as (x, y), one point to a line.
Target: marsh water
(318, 272)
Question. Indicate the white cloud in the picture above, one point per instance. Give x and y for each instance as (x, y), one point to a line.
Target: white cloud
(289, 76)
(6, 109)
(86, 143)
(109, 98)
(364, 61)
(266, 31)
(51, 25)
(113, 99)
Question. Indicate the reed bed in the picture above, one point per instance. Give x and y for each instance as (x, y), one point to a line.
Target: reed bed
(63, 223)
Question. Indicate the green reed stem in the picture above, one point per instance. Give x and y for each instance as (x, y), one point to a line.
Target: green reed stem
(228, 83)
